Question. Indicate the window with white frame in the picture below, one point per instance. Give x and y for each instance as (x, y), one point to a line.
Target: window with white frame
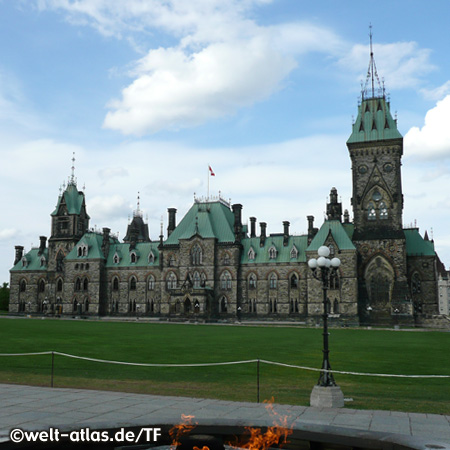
(116, 258)
(294, 252)
(272, 252)
(151, 283)
(251, 254)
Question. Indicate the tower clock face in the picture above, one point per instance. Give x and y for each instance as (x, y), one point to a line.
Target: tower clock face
(362, 169)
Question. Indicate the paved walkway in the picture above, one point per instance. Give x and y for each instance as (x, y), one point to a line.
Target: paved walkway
(38, 408)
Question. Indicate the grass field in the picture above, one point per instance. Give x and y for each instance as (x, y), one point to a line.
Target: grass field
(358, 350)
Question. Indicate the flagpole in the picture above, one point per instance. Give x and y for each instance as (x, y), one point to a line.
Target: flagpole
(207, 197)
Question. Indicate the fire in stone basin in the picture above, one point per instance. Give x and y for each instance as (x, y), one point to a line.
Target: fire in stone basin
(254, 439)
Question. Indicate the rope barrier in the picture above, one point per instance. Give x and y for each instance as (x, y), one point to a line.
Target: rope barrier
(354, 373)
(227, 363)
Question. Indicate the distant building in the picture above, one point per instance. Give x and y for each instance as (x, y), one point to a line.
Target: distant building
(210, 264)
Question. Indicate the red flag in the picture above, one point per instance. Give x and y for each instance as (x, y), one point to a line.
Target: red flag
(211, 171)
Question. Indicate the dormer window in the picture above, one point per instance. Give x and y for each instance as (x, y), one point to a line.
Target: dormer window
(82, 250)
(133, 258)
(151, 258)
(294, 252)
(116, 259)
(272, 252)
(43, 261)
(24, 262)
(251, 254)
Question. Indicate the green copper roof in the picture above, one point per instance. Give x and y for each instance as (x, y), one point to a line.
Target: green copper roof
(94, 243)
(283, 252)
(374, 122)
(72, 198)
(33, 261)
(209, 220)
(416, 245)
(142, 250)
(338, 232)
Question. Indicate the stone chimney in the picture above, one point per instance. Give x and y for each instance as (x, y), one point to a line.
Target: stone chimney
(42, 245)
(262, 237)
(105, 243)
(172, 221)
(237, 210)
(285, 232)
(346, 216)
(311, 230)
(19, 253)
(252, 227)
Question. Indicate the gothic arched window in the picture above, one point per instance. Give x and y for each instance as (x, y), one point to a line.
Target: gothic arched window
(251, 254)
(151, 283)
(23, 286)
(196, 255)
(59, 285)
(252, 281)
(273, 281)
(371, 212)
(294, 281)
(171, 281)
(225, 281)
(272, 252)
(42, 286)
(115, 284)
(196, 280)
(85, 284)
(78, 284)
(133, 284)
(383, 211)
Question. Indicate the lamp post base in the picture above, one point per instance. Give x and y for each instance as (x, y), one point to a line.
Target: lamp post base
(327, 397)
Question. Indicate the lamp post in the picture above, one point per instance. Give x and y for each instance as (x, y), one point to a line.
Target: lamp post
(326, 393)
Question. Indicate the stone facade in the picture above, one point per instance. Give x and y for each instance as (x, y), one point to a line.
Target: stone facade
(209, 266)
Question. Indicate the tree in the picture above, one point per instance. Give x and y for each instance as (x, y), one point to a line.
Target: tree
(4, 297)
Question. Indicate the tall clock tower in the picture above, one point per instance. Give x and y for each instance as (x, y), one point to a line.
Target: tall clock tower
(376, 149)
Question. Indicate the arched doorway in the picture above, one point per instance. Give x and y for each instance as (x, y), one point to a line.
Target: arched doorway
(379, 276)
(187, 305)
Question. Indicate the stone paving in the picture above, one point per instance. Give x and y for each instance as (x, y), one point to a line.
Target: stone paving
(38, 408)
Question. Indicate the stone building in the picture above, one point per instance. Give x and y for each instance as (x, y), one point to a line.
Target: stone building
(211, 266)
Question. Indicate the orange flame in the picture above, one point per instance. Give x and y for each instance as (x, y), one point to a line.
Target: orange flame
(274, 434)
(181, 429)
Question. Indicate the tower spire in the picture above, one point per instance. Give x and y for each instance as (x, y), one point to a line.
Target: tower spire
(372, 74)
(72, 179)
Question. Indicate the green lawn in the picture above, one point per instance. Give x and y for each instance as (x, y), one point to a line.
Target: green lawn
(358, 350)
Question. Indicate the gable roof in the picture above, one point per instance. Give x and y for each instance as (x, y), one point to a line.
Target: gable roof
(94, 242)
(416, 245)
(338, 232)
(207, 219)
(142, 250)
(374, 122)
(33, 261)
(283, 251)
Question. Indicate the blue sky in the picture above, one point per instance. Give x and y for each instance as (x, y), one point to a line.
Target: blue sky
(148, 93)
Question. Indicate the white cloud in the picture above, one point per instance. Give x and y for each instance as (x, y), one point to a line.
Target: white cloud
(222, 60)
(7, 233)
(402, 64)
(437, 93)
(176, 90)
(433, 139)
(108, 208)
(108, 173)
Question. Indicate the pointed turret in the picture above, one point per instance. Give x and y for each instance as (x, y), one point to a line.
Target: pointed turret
(137, 230)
